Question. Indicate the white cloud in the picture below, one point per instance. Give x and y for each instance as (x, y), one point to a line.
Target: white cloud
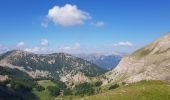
(3, 49)
(123, 44)
(98, 24)
(44, 42)
(35, 49)
(68, 15)
(70, 48)
(39, 50)
(21, 44)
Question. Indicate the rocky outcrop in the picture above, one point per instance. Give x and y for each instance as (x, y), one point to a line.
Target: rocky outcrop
(151, 62)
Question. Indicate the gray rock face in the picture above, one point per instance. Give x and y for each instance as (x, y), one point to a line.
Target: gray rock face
(151, 62)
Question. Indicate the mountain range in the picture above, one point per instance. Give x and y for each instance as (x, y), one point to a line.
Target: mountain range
(148, 63)
(104, 61)
(60, 66)
(147, 67)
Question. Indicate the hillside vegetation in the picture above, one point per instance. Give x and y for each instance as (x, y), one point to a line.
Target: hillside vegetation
(59, 66)
(144, 90)
(142, 75)
(44, 95)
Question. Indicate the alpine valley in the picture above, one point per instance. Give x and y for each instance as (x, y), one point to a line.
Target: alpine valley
(84, 50)
(142, 75)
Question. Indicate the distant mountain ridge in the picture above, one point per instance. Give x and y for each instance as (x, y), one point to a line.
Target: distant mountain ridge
(62, 66)
(104, 61)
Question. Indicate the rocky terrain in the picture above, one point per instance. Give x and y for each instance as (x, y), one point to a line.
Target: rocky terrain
(151, 62)
(63, 76)
(58, 65)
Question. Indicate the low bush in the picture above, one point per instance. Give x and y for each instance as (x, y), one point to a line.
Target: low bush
(54, 91)
(98, 83)
(84, 89)
(40, 88)
(114, 86)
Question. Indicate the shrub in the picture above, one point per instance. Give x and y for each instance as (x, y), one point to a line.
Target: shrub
(40, 88)
(21, 84)
(114, 86)
(84, 89)
(17, 88)
(60, 84)
(98, 83)
(54, 91)
(67, 91)
(123, 83)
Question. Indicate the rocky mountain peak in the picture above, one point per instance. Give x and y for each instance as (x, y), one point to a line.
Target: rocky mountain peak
(54, 65)
(151, 62)
(161, 45)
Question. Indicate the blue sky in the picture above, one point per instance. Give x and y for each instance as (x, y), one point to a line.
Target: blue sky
(81, 26)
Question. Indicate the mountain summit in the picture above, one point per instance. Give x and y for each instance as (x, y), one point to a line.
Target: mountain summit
(151, 62)
(60, 66)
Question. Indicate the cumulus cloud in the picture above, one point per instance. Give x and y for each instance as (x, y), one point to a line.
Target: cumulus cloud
(123, 44)
(68, 15)
(3, 49)
(42, 48)
(70, 48)
(21, 44)
(39, 50)
(98, 24)
(44, 42)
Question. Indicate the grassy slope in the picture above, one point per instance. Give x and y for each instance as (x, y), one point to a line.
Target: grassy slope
(144, 90)
(44, 95)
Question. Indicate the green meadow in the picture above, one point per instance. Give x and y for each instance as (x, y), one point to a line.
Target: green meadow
(144, 90)
(44, 95)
